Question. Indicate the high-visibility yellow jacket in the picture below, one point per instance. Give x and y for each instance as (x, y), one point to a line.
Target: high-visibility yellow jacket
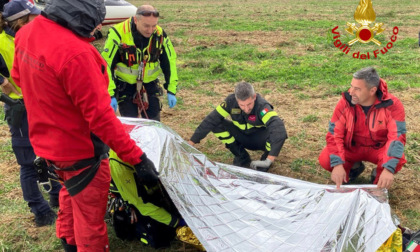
(7, 51)
(158, 55)
(123, 176)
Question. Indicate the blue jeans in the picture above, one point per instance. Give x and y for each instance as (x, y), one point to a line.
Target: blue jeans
(25, 157)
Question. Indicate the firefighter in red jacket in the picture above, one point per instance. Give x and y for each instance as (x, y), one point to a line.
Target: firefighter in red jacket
(368, 124)
(64, 83)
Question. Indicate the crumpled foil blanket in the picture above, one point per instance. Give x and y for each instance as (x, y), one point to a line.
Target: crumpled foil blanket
(236, 209)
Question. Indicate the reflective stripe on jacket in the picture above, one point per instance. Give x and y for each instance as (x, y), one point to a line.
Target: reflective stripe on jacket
(383, 126)
(122, 34)
(122, 175)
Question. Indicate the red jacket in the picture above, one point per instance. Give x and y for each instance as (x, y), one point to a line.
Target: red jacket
(64, 82)
(383, 126)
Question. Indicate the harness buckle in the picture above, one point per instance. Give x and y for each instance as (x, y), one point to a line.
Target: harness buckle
(43, 184)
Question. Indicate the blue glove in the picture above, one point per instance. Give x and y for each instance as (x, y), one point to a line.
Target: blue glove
(114, 103)
(171, 100)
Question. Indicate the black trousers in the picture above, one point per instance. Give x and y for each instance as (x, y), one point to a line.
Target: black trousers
(126, 95)
(253, 141)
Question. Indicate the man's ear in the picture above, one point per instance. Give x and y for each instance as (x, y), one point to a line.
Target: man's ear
(255, 96)
(373, 90)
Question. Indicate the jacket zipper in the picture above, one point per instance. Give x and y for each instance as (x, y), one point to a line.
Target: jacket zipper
(373, 121)
(112, 51)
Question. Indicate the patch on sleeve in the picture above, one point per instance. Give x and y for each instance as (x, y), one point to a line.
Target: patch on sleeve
(331, 127)
(235, 111)
(396, 149)
(264, 111)
(401, 128)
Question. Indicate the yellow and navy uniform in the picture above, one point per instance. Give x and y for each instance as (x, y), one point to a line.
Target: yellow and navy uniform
(263, 122)
(156, 53)
(7, 50)
(123, 175)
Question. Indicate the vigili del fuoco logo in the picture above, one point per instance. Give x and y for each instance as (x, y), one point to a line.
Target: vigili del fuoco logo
(364, 32)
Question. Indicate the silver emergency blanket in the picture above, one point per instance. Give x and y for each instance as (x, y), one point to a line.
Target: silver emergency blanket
(236, 209)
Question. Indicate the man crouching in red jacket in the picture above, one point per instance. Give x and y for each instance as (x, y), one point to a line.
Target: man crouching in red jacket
(368, 124)
(71, 123)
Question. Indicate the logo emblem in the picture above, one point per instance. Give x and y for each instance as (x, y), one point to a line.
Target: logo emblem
(264, 111)
(364, 15)
(365, 32)
(252, 118)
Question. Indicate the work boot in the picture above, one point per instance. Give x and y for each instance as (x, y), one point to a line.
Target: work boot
(45, 219)
(242, 157)
(356, 170)
(373, 176)
(242, 161)
(68, 247)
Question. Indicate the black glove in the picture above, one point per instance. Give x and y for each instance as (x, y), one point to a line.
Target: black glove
(181, 223)
(146, 171)
(41, 168)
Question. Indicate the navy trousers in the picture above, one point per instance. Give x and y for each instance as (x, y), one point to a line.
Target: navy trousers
(25, 157)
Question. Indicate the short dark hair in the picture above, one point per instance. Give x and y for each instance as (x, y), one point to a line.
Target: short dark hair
(3, 23)
(369, 75)
(244, 90)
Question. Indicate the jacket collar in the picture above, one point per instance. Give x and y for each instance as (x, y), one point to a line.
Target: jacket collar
(9, 31)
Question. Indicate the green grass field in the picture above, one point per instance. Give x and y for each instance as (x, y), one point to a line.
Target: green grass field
(286, 49)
